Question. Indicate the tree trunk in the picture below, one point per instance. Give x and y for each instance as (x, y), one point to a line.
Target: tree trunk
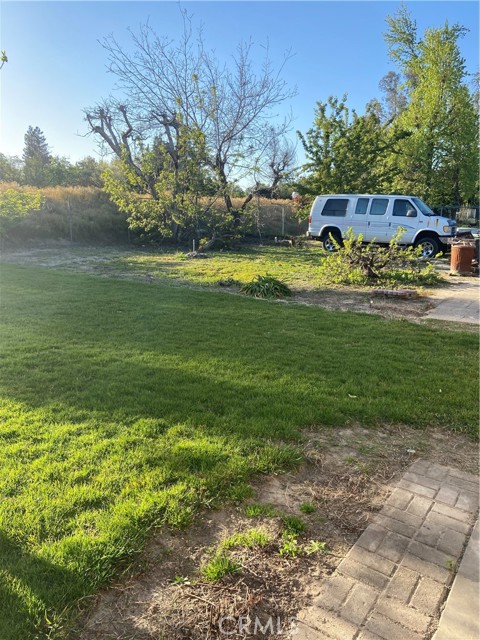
(209, 245)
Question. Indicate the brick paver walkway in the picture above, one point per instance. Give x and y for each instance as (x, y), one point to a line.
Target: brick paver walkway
(393, 581)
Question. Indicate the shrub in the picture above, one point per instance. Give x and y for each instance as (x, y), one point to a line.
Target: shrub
(266, 287)
(16, 204)
(363, 264)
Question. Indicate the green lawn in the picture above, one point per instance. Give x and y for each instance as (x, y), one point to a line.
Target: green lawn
(298, 267)
(126, 405)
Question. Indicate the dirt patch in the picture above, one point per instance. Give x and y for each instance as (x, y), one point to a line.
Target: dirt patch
(342, 483)
(345, 299)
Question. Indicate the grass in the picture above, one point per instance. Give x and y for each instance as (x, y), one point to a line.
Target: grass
(307, 507)
(77, 214)
(221, 564)
(293, 524)
(218, 567)
(265, 510)
(295, 266)
(246, 539)
(126, 406)
(254, 266)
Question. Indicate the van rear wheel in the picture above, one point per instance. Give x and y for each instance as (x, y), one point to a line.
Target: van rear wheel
(331, 241)
(429, 245)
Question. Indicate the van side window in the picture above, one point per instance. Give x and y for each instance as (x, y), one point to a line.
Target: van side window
(400, 207)
(335, 207)
(379, 206)
(362, 206)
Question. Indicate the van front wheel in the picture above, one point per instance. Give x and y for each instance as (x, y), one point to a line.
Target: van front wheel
(429, 245)
(331, 241)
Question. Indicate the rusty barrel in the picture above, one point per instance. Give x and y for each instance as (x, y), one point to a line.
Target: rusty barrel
(462, 257)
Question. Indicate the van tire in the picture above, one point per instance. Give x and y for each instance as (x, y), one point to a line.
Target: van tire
(328, 243)
(430, 246)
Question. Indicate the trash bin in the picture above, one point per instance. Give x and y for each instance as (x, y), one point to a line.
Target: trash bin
(462, 257)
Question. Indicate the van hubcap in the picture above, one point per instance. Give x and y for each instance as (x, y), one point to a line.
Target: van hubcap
(329, 245)
(428, 249)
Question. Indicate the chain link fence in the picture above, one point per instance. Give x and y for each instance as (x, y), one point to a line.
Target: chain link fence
(463, 214)
(277, 220)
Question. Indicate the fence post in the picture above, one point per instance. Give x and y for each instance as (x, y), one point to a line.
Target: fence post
(70, 224)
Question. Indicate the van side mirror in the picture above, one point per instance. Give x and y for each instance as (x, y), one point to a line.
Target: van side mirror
(411, 213)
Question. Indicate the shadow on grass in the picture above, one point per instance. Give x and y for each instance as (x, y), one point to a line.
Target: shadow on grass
(242, 366)
(31, 589)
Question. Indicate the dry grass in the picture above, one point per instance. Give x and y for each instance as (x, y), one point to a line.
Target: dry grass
(85, 214)
(76, 214)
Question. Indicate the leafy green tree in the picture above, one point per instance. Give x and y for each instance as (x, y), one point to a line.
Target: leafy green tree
(438, 158)
(180, 206)
(36, 158)
(320, 144)
(10, 168)
(58, 172)
(88, 172)
(347, 152)
(422, 138)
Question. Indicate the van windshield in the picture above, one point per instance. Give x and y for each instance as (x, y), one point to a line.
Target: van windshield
(423, 207)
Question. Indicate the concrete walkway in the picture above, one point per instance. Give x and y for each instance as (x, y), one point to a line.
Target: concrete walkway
(460, 302)
(394, 581)
(462, 610)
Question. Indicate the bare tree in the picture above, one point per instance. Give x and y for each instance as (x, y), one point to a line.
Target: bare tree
(394, 95)
(274, 165)
(168, 86)
(112, 124)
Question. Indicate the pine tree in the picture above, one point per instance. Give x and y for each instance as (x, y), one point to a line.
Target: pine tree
(36, 158)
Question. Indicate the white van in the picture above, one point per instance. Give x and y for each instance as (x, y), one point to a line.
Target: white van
(377, 218)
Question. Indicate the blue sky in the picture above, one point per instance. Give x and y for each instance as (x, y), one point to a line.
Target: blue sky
(57, 67)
